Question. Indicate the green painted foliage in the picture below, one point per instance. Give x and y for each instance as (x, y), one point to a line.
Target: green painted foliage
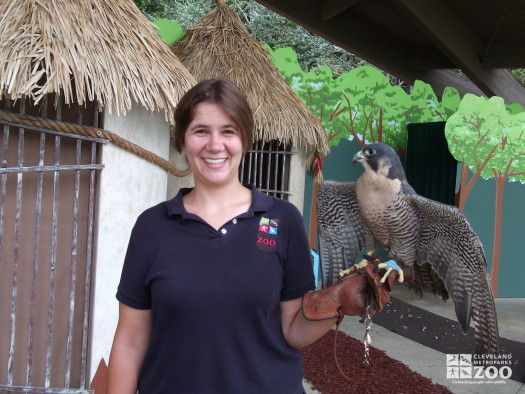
(362, 104)
(487, 135)
(170, 31)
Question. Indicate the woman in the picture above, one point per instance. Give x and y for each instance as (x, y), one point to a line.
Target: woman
(210, 293)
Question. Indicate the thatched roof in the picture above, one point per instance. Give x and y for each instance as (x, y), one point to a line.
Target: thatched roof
(89, 50)
(219, 46)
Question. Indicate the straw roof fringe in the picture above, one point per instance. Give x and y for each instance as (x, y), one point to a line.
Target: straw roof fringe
(95, 50)
(219, 46)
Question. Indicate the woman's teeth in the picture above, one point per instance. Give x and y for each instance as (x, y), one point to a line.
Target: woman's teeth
(214, 161)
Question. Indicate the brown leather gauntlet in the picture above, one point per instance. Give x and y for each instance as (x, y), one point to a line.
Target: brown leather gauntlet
(349, 295)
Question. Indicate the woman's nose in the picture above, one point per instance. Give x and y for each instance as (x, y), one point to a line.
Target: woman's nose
(215, 142)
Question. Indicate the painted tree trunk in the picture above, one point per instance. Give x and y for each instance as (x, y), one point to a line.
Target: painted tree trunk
(313, 216)
(464, 190)
(500, 184)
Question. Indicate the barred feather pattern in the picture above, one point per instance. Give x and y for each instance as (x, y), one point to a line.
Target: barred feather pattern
(425, 276)
(382, 209)
(340, 229)
(394, 227)
(453, 250)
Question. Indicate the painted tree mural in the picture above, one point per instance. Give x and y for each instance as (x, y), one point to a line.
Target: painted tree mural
(362, 105)
(488, 140)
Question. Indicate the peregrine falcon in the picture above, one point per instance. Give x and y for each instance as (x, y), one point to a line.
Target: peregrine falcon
(381, 209)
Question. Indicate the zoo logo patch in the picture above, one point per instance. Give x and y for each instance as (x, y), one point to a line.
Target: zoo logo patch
(267, 234)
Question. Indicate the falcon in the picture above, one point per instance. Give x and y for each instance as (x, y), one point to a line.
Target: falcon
(381, 209)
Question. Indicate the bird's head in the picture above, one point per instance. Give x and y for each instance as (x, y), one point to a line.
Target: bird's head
(381, 159)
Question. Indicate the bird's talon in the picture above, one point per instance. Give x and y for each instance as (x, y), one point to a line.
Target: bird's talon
(400, 276)
(389, 266)
(357, 266)
(346, 272)
(383, 279)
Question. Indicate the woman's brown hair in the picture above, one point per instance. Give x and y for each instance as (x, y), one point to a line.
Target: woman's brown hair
(223, 93)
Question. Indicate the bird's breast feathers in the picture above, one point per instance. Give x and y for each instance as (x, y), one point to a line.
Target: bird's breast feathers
(376, 192)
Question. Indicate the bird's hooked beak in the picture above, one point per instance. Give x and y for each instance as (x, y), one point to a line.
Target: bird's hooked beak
(358, 158)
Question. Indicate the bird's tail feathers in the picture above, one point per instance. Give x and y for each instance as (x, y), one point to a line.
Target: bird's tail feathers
(485, 320)
(463, 308)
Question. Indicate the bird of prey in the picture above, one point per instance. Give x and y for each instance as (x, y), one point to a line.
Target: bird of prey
(381, 209)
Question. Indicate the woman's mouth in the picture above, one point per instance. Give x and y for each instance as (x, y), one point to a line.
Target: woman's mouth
(214, 161)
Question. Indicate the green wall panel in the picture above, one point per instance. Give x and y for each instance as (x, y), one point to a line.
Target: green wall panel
(479, 209)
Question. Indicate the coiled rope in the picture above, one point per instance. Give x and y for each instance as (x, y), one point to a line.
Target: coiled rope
(94, 132)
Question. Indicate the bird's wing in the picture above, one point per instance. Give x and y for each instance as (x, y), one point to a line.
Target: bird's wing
(452, 248)
(340, 229)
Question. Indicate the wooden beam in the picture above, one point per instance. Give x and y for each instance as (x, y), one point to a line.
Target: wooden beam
(396, 57)
(426, 57)
(443, 28)
(440, 79)
(505, 56)
(351, 33)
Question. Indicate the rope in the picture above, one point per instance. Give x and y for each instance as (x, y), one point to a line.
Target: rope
(95, 133)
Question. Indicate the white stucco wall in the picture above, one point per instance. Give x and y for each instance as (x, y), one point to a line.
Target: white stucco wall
(128, 185)
(175, 183)
(297, 174)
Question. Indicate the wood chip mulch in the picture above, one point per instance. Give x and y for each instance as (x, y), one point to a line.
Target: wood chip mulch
(383, 375)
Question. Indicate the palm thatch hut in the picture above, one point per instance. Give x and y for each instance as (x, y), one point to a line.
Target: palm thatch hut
(73, 75)
(88, 51)
(220, 46)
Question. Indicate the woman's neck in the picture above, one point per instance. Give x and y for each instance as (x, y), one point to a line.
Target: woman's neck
(217, 206)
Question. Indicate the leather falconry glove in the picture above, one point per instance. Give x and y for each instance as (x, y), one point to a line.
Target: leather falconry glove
(352, 293)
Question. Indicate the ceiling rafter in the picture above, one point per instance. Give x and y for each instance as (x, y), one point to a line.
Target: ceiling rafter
(443, 28)
(424, 40)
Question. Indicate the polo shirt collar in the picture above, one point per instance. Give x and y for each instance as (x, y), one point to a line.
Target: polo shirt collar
(261, 202)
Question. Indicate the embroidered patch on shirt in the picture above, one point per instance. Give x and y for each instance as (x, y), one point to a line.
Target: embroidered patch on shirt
(267, 234)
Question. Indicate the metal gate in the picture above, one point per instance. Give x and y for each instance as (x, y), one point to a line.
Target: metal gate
(47, 205)
(267, 165)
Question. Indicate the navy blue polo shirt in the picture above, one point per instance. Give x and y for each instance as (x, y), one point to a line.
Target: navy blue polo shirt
(214, 297)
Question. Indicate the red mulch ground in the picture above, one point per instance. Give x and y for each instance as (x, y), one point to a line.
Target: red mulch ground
(384, 375)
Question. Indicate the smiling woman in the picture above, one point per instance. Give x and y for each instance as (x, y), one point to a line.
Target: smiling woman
(196, 262)
(211, 289)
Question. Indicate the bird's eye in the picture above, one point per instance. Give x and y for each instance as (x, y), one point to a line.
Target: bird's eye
(370, 151)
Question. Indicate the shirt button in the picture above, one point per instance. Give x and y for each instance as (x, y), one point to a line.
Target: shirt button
(224, 231)
(234, 221)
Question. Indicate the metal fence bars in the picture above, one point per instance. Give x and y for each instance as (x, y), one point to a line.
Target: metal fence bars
(47, 204)
(267, 165)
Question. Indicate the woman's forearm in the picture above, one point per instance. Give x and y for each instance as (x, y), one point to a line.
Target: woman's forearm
(298, 331)
(123, 370)
(129, 348)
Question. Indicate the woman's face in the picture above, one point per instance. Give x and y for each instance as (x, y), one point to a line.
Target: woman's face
(213, 145)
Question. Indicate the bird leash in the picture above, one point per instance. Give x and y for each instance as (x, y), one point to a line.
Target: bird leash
(367, 321)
